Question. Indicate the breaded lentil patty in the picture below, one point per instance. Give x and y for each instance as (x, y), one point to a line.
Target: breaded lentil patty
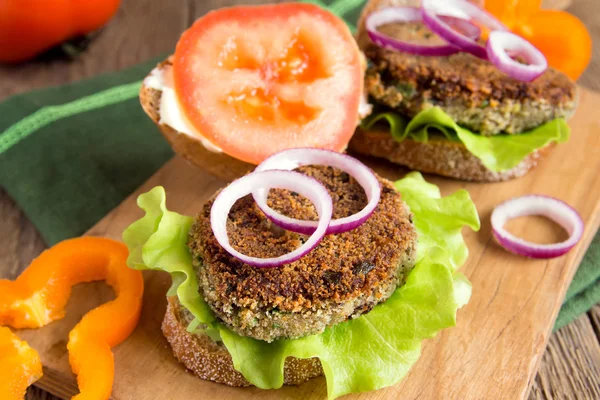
(475, 93)
(344, 277)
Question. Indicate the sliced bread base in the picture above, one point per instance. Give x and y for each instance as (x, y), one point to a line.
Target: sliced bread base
(438, 156)
(219, 164)
(211, 361)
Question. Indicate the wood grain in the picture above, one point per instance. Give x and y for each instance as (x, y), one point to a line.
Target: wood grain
(19, 244)
(587, 11)
(556, 4)
(147, 28)
(594, 315)
(570, 352)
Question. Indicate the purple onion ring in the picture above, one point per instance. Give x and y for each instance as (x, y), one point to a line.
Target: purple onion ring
(433, 10)
(410, 14)
(498, 46)
(293, 158)
(549, 207)
(305, 185)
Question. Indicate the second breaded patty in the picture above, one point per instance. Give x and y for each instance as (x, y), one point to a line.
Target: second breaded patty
(471, 91)
(345, 276)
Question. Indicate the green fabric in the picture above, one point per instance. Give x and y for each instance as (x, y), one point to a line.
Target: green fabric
(70, 154)
(584, 291)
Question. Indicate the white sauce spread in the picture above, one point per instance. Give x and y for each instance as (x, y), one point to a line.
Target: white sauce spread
(171, 114)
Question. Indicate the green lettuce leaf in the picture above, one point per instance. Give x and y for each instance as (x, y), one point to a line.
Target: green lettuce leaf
(498, 153)
(367, 353)
(444, 217)
(158, 241)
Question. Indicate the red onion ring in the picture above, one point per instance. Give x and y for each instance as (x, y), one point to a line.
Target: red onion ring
(411, 14)
(549, 207)
(500, 43)
(307, 186)
(293, 158)
(433, 9)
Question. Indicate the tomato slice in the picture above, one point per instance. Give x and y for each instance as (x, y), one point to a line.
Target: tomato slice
(255, 80)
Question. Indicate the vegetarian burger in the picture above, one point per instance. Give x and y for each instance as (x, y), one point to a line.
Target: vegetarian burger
(457, 115)
(344, 277)
(311, 264)
(279, 291)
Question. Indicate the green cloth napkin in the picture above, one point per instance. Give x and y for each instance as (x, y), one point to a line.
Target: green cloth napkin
(70, 154)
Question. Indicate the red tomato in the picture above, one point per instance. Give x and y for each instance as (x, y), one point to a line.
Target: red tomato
(255, 80)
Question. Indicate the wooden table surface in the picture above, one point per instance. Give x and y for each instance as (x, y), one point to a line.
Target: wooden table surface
(146, 28)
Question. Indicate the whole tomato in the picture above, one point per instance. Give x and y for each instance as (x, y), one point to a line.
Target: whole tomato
(29, 27)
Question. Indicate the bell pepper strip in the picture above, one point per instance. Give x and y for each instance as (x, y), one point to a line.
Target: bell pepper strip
(562, 37)
(38, 296)
(29, 27)
(20, 366)
(511, 12)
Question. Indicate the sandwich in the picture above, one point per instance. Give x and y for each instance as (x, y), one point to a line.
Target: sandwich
(233, 93)
(454, 115)
(309, 264)
(354, 307)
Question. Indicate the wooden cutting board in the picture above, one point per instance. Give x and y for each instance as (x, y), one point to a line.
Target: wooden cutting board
(493, 352)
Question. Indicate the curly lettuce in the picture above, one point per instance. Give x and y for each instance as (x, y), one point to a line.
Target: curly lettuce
(498, 153)
(370, 352)
(158, 241)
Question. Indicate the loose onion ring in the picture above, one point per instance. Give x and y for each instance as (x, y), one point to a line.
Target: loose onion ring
(554, 209)
(305, 185)
(294, 158)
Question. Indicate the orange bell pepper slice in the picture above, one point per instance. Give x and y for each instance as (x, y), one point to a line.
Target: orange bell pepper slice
(562, 37)
(38, 296)
(20, 366)
(511, 12)
(29, 27)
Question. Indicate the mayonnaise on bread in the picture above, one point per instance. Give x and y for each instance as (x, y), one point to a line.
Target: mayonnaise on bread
(171, 113)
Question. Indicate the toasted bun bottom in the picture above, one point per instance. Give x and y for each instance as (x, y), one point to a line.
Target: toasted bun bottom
(438, 156)
(190, 148)
(211, 361)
